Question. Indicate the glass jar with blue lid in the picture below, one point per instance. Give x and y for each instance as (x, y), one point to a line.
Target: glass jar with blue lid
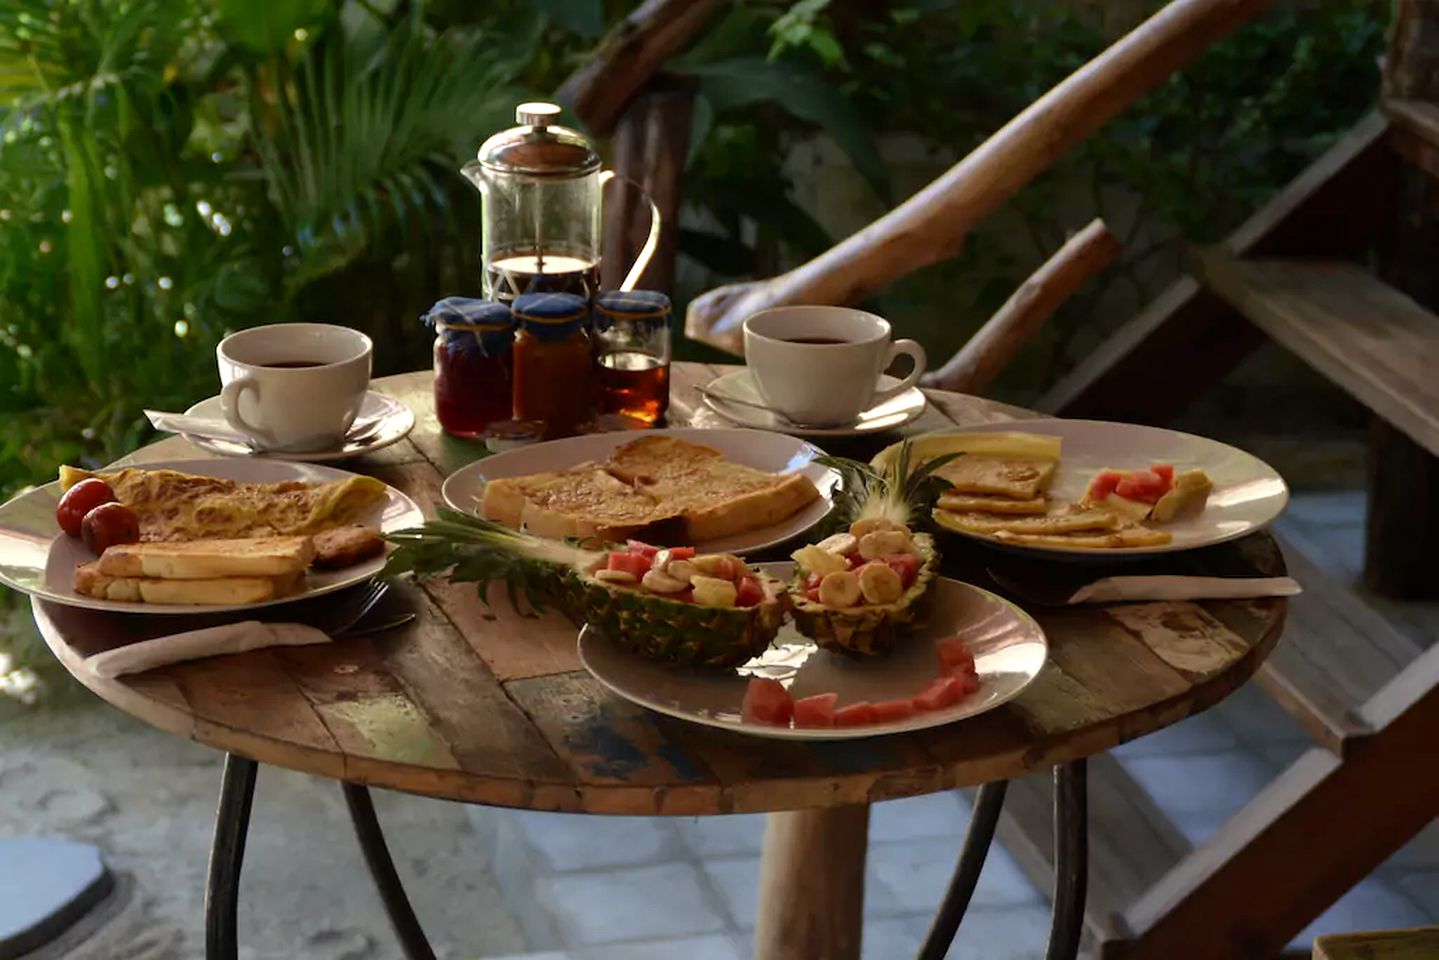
(474, 380)
(553, 364)
(632, 353)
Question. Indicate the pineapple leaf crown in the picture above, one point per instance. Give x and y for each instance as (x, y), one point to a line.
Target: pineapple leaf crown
(474, 550)
(901, 492)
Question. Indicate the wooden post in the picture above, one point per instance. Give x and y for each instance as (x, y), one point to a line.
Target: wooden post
(811, 885)
(1403, 525)
(649, 147)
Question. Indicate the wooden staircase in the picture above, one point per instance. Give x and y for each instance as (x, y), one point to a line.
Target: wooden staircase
(1366, 693)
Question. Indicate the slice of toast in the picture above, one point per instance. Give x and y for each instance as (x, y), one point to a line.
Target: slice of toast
(650, 460)
(209, 559)
(213, 592)
(585, 501)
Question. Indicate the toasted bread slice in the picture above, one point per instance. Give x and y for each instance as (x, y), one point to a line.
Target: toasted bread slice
(213, 592)
(1018, 478)
(963, 503)
(650, 460)
(209, 559)
(346, 546)
(761, 506)
(585, 501)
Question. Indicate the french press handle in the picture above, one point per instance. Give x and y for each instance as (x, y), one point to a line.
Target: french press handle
(652, 241)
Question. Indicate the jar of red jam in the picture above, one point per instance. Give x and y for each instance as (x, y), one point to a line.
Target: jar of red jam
(474, 372)
(553, 365)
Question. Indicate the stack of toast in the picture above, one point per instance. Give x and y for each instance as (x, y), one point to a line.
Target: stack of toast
(659, 489)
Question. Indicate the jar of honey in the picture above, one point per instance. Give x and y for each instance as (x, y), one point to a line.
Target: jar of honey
(553, 375)
(632, 353)
(474, 377)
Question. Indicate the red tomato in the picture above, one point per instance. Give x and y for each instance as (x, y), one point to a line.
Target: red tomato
(109, 524)
(749, 593)
(1164, 471)
(80, 500)
(635, 564)
(644, 549)
(681, 553)
(955, 660)
(904, 564)
(941, 693)
(855, 715)
(766, 701)
(1103, 484)
(815, 711)
(888, 711)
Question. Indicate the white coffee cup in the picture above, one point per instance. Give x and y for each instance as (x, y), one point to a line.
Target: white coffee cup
(829, 383)
(294, 386)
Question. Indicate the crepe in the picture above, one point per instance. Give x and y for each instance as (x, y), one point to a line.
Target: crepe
(1060, 518)
(1018, 478)
(171, 505)
(1131, 536)
(963, 503)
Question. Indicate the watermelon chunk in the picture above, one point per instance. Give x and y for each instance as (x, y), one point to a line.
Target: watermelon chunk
(904, 564)
(815, 711)
(955, 660)
(635, 564)
(942, 692)
(1164, 471)
(749, 593)
(766, 701)
(855, 715)
(682, 553)
(970, 682)
(642, 548)
(888, 711)
(1145, 486)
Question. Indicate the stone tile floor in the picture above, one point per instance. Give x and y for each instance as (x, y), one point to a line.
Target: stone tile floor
(523, 886)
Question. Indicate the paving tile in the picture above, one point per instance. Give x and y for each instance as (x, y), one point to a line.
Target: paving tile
(915, 875)
(1200, 791)
(1420, 853)
(1008, 933)
(548, 955)
(644, 903)
(712, 947)
(1256, 719)
(722, 836)
(891, 938)
(1422, 887)
(577, 842)
(943, 814)
(1324, 508)
(1202, 733)
(1372, 905)
(736, 881)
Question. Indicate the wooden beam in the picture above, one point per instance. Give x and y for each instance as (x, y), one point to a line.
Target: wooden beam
(600, 91)
(648, 148)
(1402, 524)
(980, 360)
(933, 224)
(1181, 344)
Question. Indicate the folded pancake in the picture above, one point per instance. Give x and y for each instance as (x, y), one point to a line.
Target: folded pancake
(212, 592)
(1018, 478)
(965, 503)
(1061, 518)
(172, 505)
(1105, 540)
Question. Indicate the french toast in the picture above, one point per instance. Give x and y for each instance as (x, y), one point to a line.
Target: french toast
(584, 501)
(209, 559)
(210, 592)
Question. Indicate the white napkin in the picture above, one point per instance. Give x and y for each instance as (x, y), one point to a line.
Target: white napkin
(212, 427)
(1111, 589)
(194, 644)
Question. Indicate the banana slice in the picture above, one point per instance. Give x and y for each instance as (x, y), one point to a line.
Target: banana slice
(714, 592)
(882, 542)
(879, 583)
(616, 576)
(656, 582)
(681, 570)
(866, 525)
(815, 560)
(839, 543)
(839, 589)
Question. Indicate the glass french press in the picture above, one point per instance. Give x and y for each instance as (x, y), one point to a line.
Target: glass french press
(540, 186)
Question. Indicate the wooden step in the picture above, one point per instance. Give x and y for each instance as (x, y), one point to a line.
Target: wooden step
(1131, 842)
(1336, 653)
(1414, 132)
(1370, 339)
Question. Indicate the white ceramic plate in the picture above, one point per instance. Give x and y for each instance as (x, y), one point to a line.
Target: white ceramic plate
(888, 415)
(1009, 650)
(37, 558)
(774, 452)
(382, 420)
(1248, 493)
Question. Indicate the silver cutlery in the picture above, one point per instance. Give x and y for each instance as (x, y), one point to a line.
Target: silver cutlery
(782, 418)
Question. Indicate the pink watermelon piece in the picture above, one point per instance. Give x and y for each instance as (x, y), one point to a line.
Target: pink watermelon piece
(889, 711)
(815, 711)
(855, 715)
(767, 701)
(955, 660)
(942, 692)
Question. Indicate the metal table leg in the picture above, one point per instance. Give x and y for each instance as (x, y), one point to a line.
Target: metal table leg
(222, 890)
(977, 840)
(382, 868)
(1071, 859)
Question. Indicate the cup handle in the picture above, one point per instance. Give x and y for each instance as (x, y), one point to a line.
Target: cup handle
(230, 407)
(915, 352)
(652, 241)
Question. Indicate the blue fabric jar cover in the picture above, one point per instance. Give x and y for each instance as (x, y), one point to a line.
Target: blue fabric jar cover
(634, 306)
(470, 325)
(550, 316)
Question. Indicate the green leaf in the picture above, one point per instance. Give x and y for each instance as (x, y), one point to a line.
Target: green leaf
(264, 26)
(584, 17)
(747, 80)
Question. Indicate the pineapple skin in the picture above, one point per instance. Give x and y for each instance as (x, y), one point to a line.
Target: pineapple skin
(684, 634)
(868, 631)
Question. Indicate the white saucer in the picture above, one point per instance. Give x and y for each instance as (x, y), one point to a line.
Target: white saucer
(396, 421)
(888, 415)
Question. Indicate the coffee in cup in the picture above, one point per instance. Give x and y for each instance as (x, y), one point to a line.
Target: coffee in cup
(294, 386)
(821, 365)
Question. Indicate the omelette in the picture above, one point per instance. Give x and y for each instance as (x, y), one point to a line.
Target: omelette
(171, 505)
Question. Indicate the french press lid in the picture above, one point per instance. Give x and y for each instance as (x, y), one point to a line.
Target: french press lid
(539, 147)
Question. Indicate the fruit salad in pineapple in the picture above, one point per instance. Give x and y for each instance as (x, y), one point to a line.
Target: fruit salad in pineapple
(863, 588)
(708, 611)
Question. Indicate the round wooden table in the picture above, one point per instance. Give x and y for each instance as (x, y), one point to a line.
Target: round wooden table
(476, 704)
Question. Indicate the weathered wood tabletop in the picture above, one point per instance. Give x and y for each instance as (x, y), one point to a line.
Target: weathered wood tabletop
(477, 704)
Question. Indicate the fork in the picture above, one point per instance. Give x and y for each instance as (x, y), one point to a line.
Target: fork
(349, 625)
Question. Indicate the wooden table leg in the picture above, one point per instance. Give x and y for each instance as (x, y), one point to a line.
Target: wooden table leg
(811, 886)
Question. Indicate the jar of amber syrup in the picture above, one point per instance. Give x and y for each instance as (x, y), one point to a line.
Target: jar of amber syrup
(474, 377)
(632, 353)
(553, 375)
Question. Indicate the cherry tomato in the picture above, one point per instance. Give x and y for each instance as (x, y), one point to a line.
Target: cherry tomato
(109, 524)
(80, 500)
